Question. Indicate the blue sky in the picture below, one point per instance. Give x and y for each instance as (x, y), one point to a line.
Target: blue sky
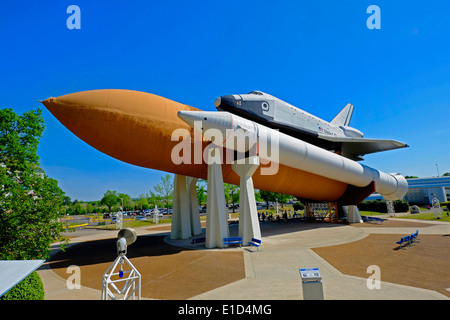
(317, 55)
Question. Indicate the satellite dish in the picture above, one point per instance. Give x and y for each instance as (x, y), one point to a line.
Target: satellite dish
(129, 234)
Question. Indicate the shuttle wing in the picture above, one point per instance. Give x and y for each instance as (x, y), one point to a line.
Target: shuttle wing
(354, 148)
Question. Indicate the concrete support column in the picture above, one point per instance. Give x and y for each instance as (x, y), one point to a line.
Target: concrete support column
(185, 216)
(196, 227)
(353, 215)
(181, 222)
(248, 215)
(216, 217)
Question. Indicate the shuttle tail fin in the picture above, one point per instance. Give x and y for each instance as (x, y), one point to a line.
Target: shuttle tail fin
(344, 116)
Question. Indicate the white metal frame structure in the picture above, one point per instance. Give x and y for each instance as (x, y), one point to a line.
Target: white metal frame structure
(390, 207)
(436, 208)
(131, 283)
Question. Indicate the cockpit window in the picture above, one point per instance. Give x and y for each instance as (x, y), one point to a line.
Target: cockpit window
(256, 92)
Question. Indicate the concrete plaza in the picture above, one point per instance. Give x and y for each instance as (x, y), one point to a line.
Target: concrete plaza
(181, 270)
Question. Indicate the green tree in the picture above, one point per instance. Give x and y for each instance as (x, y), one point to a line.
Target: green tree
(231, 193)
(128, 203)
(267, 196)
(142, 202)
(282, 198)
(67, 201)
(164, 190)
(298, 206)
(110, 198)
(19, 138)
(30, 201)
(78, 209)
(258, 196)
(201, 192)
(153, 200)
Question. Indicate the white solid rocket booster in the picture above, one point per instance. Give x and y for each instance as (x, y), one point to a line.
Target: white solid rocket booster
(298, 154)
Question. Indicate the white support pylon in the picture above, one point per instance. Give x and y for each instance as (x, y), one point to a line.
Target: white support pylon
(248, 215)
(216, 218)
(353, 215)
(181, 220)
(185, 216)
(196, 227)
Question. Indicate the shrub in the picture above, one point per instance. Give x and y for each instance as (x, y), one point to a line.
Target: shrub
(30, 288)
(298, 206)
(445, 204)
(373, 205)
(380, 206)
(401, 206)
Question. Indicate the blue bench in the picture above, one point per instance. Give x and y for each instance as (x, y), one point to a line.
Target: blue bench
(414, 236)
(372, 219)
(197, 240)
(403, 240)
(233, 240)
(408, 239)
(255, 242)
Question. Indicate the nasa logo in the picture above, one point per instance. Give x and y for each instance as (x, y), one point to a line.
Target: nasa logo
(265, 106)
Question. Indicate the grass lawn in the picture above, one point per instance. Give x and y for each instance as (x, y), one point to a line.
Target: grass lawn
(426, 216)
(421, 216)
(371, 213)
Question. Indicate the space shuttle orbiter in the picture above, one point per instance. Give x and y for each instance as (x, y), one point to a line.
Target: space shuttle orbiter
(336, 135)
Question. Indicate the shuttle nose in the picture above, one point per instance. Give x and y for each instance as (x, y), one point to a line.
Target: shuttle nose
(217, 102)
(225, 102)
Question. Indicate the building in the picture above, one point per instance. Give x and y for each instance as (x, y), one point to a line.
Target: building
(423, 190)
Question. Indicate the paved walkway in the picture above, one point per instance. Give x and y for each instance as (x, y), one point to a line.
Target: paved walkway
(273, 272)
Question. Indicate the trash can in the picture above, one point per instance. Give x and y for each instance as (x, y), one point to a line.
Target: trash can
(311, 284)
